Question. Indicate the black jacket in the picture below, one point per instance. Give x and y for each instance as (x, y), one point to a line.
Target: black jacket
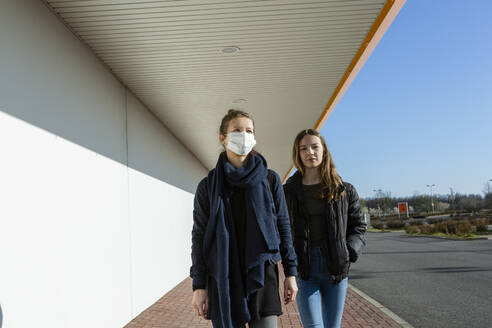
(280, 232)
(346, 229)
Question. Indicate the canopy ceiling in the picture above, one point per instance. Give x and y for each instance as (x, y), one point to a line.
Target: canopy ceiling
(286, 61)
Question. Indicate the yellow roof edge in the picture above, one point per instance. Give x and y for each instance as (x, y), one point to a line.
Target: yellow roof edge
(384, 20)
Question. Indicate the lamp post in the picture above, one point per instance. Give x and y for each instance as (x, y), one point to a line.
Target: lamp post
(488, 193)
(378, 197)
(432, 202)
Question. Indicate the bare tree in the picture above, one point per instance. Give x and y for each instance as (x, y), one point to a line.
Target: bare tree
(451, 198)
(487, 188)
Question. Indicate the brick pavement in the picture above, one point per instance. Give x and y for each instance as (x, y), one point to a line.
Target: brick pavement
(174, 310)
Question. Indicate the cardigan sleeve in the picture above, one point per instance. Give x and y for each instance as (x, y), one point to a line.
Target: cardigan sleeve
(201, 210)
(289, 258)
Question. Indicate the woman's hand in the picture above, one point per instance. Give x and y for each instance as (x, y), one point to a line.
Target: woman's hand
(290, 289)
(200, 302)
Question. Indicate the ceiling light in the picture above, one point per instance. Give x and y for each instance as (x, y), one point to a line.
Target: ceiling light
(230, 50)
(239, 101)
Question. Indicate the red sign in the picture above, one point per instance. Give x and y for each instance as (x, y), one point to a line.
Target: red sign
(403, 207)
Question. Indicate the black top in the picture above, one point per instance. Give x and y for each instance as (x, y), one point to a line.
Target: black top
(239, 214)
(316, 209)
(266, 301)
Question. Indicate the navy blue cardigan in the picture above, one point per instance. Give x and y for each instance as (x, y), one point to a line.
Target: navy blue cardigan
(200, 218)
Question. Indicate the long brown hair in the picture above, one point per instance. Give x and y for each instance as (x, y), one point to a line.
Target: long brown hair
(330, 180)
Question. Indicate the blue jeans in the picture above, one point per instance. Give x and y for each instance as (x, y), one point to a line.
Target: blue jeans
(320, 302)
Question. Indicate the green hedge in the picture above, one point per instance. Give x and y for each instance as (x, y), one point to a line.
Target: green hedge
(377, 224)
(395, 224)
(454, 227)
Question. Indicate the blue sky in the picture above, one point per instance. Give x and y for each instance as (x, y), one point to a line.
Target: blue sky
(420, 110)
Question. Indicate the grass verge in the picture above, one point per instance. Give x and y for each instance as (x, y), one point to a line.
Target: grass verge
(377, 230)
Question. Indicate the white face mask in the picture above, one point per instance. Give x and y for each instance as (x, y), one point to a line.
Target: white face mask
(240, 143)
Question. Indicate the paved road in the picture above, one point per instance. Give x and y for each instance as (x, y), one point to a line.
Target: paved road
(431, 283)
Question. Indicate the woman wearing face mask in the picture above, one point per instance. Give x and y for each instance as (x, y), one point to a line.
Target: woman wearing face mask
(241, 230)
(328, 230)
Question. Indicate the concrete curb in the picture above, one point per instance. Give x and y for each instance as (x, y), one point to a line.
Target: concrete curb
(381, 307)
(446, 238)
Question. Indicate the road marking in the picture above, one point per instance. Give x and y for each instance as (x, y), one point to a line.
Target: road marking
(387, 311)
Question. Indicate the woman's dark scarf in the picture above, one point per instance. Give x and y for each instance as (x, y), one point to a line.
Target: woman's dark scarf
(220, 245)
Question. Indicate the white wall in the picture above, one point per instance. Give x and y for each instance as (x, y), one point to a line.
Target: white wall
(167, 227)
(95, 193)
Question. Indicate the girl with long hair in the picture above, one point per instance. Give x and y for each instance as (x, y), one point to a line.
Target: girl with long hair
(241, 231)
(327, 228)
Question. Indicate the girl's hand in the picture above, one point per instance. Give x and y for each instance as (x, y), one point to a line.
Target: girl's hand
(290, 289)
(200, 302)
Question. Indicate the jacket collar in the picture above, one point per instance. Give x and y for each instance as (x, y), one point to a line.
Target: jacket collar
(294, 183)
